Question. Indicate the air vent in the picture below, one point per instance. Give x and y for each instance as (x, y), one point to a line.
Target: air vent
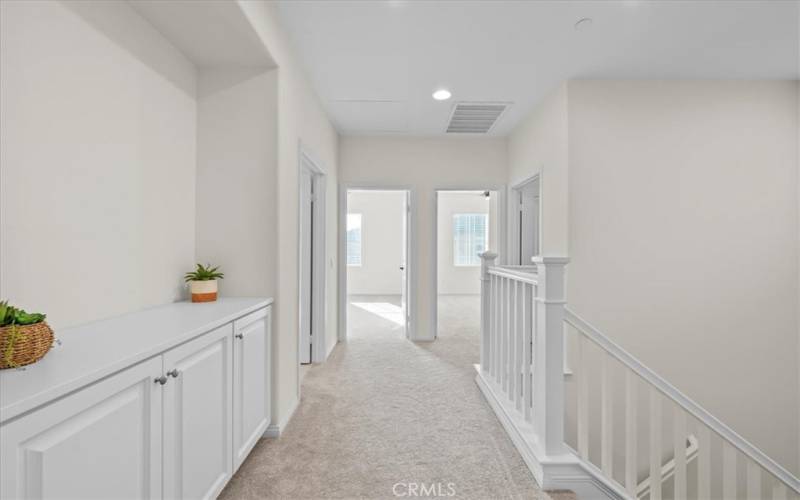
(475, 117)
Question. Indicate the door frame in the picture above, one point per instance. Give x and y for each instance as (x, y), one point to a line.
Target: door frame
(501, 239)
(411, 255)
(307, 162)
(513, 257)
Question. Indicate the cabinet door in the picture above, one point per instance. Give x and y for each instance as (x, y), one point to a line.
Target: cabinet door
(101, 442)
(251, 382)
(197, 416)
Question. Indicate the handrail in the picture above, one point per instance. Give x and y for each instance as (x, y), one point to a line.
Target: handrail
(522, 276)
(684, 401)
(532, 269)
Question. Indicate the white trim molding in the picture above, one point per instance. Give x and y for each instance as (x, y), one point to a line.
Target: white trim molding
(512, 221)
(411, 257)
(275, 430)
(307, 161)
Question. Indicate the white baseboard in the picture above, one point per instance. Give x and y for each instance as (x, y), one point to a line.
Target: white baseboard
(274, 430)
(566, 472)
(330, 350)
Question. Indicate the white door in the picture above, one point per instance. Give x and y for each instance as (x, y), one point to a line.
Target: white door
(306, 269)
(101, 442)
(197, 416)
(251, 382)
(528, 222)
(404, 286)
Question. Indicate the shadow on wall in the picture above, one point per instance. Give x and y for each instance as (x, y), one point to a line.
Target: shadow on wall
(122, 25)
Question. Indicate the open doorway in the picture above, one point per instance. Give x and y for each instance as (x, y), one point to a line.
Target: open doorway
(377, 264)
(525, 221)
(467, 224)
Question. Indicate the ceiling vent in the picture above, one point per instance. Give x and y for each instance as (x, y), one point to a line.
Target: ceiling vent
(475, 117)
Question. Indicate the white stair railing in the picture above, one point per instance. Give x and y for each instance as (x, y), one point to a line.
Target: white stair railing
(763, 478)
(523, 323)
(519, 359)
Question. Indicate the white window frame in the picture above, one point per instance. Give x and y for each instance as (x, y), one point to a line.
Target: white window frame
(361, 242)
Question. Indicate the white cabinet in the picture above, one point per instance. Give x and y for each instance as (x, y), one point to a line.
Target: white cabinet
(174, 423)
(251, 382)
(197, 416)
(101, 442)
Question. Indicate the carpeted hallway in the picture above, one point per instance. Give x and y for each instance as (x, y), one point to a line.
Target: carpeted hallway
(384, 412)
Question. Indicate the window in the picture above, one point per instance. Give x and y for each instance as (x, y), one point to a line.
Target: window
(470, 238)
(354, 240)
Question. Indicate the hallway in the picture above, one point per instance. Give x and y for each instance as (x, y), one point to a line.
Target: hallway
(383, 413)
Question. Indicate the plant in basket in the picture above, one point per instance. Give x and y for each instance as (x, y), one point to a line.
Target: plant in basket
(24, 337)
(203, 282)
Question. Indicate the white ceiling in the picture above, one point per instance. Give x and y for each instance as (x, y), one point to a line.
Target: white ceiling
(210, 33)
(376, 63)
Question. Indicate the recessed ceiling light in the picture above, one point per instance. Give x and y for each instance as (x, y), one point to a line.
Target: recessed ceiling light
(583, 24)
(442, 95)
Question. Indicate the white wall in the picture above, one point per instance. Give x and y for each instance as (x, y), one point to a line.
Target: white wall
(683, 235)
(382, 242)
(99, 125)
(423, 165)
(237, 177)
(461, 280)
(538, 145)
(97, 156)
(301, 119)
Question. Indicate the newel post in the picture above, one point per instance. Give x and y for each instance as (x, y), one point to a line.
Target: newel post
(548, 390)
(487, 261)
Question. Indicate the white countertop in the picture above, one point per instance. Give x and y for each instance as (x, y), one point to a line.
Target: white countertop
(95, 350)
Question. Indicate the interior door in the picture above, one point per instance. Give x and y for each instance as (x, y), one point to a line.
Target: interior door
(528, 222)
(198, 410)
(306, 269)
(101, 442)
(404, 286)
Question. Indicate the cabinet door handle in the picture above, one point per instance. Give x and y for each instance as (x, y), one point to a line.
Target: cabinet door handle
(239, 336)
(174, 373)
(161, 380)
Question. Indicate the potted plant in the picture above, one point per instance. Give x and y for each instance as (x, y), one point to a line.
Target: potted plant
(24, 337)
(203, 283)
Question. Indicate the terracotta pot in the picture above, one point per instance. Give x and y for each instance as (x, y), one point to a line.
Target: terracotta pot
(203, 291)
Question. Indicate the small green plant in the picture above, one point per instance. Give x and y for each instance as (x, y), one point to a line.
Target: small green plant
(10, 315)
(204, 273)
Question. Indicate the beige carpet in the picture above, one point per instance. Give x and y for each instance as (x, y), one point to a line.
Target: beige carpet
(384, 413)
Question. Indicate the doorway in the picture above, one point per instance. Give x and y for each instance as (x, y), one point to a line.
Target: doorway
(467, 224)
(312, 256)
(526, 221)
(376, 268)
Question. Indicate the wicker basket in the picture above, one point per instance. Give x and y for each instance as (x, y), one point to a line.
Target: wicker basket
(22, 345)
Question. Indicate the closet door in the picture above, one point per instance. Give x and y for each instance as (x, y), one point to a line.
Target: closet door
(101, 442)
(197, 416)
(251, 382)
